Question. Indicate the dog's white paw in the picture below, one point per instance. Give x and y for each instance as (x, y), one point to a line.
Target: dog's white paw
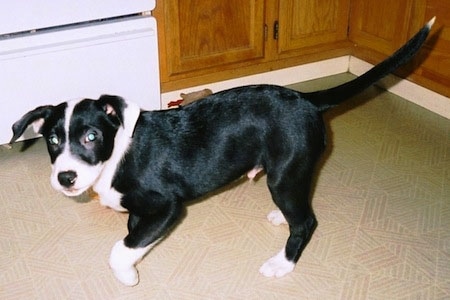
(123, 260)
(128, 277)
(277, 266)
(276, 217)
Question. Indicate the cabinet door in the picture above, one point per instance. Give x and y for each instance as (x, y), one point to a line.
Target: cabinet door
(432, 64)
(381, 25)
(311, 23)
(202, 35)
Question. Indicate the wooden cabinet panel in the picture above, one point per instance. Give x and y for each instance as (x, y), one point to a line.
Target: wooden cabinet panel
(206, 41)
(380, 24)
(379, 27)
(204, 34)
(309, 23)
(432, 65)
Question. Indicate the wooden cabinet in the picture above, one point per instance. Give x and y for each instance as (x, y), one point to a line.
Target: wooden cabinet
(432, 66)
(309, 23)
(207, 34)
(380, 24)
(379, 27)
(206, 41)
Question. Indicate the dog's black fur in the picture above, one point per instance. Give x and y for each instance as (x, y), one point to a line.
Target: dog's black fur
(181, 154)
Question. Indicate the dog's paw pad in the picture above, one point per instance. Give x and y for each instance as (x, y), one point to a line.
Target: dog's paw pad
(277, 266)
(276, 217)
(128, 277)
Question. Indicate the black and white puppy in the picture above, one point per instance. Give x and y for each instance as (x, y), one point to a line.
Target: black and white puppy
(150, 163)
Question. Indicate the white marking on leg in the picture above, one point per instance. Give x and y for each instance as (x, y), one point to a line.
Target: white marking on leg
(276, 217)
(277, 266)
(123, 261)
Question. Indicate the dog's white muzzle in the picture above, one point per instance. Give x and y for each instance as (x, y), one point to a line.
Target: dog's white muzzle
(72, 176)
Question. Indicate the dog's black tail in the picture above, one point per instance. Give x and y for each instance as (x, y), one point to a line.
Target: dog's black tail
(331, 97)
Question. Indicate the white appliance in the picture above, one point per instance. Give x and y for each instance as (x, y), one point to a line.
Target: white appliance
(53, 51)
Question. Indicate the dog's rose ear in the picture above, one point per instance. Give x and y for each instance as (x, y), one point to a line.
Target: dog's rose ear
(125, 113)
(109, 110)
(35, 117)
(113, 106)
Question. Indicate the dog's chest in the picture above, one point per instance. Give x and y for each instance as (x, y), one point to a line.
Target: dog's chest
(110, 198)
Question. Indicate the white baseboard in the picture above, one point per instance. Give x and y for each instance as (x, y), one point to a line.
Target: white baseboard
(408, 90)
(419, 95)
(279, 77)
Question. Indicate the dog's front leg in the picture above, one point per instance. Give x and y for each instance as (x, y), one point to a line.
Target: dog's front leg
(144, 233)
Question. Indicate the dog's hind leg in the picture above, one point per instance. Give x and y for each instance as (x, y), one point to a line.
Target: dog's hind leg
(145, 231)
(291, 194)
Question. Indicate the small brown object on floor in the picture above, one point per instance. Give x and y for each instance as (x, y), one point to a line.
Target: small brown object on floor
(92, 194)
(194, 96)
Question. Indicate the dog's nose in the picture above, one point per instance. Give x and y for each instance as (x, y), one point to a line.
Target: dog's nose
(67, 178)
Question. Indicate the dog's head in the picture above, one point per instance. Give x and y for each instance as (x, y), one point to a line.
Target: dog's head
(80, 136)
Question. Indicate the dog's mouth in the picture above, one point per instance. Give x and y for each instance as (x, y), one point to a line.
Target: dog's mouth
(73, 192)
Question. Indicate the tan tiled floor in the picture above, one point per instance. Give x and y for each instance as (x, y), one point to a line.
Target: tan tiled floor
(382, 200)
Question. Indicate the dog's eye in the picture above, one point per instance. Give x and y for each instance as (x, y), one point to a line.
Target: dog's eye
(53, 139)
(90, 137)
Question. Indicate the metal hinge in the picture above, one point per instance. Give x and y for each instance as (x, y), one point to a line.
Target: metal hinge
(275, 30)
